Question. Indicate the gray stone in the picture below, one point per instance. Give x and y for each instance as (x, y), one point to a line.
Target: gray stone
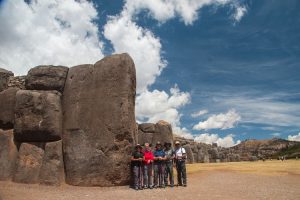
(163, 133)
(4, 76)
(51, 172)
(46, 77)
(99, 122)
(38, 116)
(8, 154)
(189, 153)
(147, 127)
(29, 162)
(7, 108)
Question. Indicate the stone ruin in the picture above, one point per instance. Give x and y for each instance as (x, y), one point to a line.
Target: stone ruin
(77, 126)
(72, 125)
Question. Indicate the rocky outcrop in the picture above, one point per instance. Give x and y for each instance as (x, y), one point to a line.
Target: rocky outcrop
(17, 82)
(47, 77)
(7, 108)
(29, 163)
(99, 122)
(4, 77)
(38, 116)
(8, 154)
(51, 172)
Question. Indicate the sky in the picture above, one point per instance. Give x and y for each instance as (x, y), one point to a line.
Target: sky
(218, 70)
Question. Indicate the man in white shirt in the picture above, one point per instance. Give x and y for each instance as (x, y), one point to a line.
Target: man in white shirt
(180, 157)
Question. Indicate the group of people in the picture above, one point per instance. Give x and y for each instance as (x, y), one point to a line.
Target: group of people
(154, 168)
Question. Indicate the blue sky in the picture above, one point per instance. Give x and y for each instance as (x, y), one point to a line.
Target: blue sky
(238, 62)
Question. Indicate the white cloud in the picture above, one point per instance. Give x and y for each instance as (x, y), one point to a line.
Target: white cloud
(158, 105)
(240, 12)
(221, 121)
(199, 113)
(294, 137)
(226, 141)
(187, 11)
(145, 49)
(59, 32)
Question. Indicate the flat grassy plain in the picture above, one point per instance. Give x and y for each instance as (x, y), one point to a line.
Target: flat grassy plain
(268, 167)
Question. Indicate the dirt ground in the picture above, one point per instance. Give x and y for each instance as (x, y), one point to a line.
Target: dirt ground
(209, 184)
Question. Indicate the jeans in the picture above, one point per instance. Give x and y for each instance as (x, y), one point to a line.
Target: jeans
(169, 173)
(159, 173)
(181, 172)
(148, 175)
(137, 176)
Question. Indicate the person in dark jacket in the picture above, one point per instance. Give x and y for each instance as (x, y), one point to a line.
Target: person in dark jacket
(137, 161)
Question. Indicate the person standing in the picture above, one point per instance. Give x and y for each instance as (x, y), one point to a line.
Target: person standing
(180, 157)
(136, 161)
(159, 157)
(169, 164)
(148, 167)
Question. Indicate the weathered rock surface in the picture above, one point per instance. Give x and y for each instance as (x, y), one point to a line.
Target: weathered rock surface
(46, 77)
(4, 76)
(7, 108)
(99, 122)
(152, 133)
(8, 154)
(17, 82)
(189, 153)
(28, 163)
(51, 172)
(38, 116)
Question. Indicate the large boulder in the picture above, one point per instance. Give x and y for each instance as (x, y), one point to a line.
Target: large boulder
(7, 108)
(163, 132)
(4, 76)
(99, 122)
(51, 172)
(147, 127)
(8, 154)
(38, 116)
(29, 163)
(144, 137)
(46, 77)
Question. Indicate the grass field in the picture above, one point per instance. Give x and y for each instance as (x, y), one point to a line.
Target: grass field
(274, 167)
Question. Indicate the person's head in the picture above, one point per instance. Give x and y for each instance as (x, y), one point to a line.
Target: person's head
(167, 145)
(138, 147)
(177, 144)
(158, 145)
(147, 146)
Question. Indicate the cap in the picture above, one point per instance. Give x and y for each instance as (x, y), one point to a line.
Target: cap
(177, 142)
(158, 143)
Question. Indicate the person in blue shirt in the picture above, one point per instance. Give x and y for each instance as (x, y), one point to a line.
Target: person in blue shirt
(158, 166)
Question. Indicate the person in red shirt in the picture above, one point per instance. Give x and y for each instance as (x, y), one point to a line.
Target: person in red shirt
(148, 163)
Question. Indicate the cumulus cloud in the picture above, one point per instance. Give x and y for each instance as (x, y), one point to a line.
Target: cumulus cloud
(221, 121)
(294, 137)
(141, 44)
(159, 105)
(199, 113)
(187, 11)
(55, 32)
(240, 12)
(226, 141)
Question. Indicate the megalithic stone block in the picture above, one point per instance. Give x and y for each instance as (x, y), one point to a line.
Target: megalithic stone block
(8, 154)
(38, 116)
(46, 77)
(99, 122)
(7, 108)
(29, 163)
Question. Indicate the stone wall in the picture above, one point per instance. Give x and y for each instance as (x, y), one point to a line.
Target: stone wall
(74, 125)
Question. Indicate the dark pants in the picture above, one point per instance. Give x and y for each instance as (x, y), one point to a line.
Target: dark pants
(159, 173)
(181, 172)
(169, 173)
(137, 176)
(148, 175)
